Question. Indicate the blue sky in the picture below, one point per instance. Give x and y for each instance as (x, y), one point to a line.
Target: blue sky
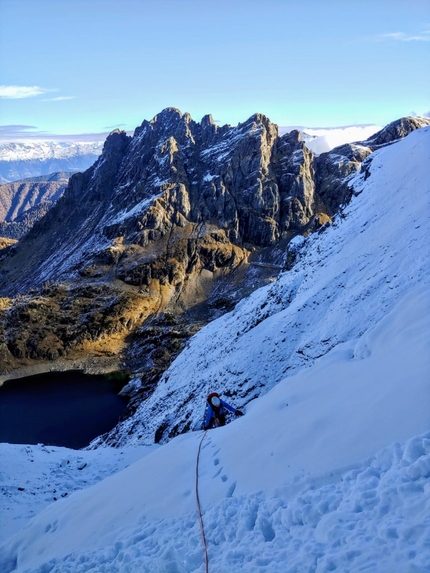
(88, 66)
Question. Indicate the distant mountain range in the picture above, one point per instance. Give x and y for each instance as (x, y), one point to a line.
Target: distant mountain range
(21, 160)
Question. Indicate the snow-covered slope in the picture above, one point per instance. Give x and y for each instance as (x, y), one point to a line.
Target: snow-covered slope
(32, 477)
(329, 470)
(19, 160)
(346, 278)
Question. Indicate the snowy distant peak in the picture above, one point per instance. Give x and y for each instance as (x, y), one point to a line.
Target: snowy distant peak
(21, 160)
(43, 150)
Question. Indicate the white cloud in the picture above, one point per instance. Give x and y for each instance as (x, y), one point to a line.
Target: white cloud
(20, 92)
(59, 98)
(403, 37)
(321, 140)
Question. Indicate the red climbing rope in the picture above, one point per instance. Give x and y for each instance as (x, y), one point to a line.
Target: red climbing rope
(202, 530)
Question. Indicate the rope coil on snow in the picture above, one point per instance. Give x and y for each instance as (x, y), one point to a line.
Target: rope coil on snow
(199, 512)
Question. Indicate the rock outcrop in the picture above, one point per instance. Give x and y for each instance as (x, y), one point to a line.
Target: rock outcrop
(180, 215)
(396, 130)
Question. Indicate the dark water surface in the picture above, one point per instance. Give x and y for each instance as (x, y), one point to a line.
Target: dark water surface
(59, 409)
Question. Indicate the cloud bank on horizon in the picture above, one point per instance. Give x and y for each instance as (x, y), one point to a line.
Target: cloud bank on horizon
(322, 140)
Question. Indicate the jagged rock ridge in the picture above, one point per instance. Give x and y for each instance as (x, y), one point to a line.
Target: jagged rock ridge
(346, 279)
(206, 184)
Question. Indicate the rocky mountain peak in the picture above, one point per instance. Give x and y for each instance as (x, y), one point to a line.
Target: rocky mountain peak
(258, 118)
(335, 168)
(207, 120)
(167, 119)
(116, 140)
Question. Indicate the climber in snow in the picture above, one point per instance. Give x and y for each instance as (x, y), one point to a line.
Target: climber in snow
(216, 411)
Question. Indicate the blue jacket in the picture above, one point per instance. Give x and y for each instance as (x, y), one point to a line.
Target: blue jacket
(211, 414)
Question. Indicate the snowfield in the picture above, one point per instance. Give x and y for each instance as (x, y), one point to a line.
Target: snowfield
(32, 477)
(329, 468)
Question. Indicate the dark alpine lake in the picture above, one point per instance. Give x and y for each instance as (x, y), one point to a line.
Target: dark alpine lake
(59, 409)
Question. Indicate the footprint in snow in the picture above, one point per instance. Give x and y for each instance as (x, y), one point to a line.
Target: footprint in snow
(231, 489)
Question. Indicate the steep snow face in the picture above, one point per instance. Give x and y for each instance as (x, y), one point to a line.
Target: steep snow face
(326, 472)
(19, 160)
(346, 278)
